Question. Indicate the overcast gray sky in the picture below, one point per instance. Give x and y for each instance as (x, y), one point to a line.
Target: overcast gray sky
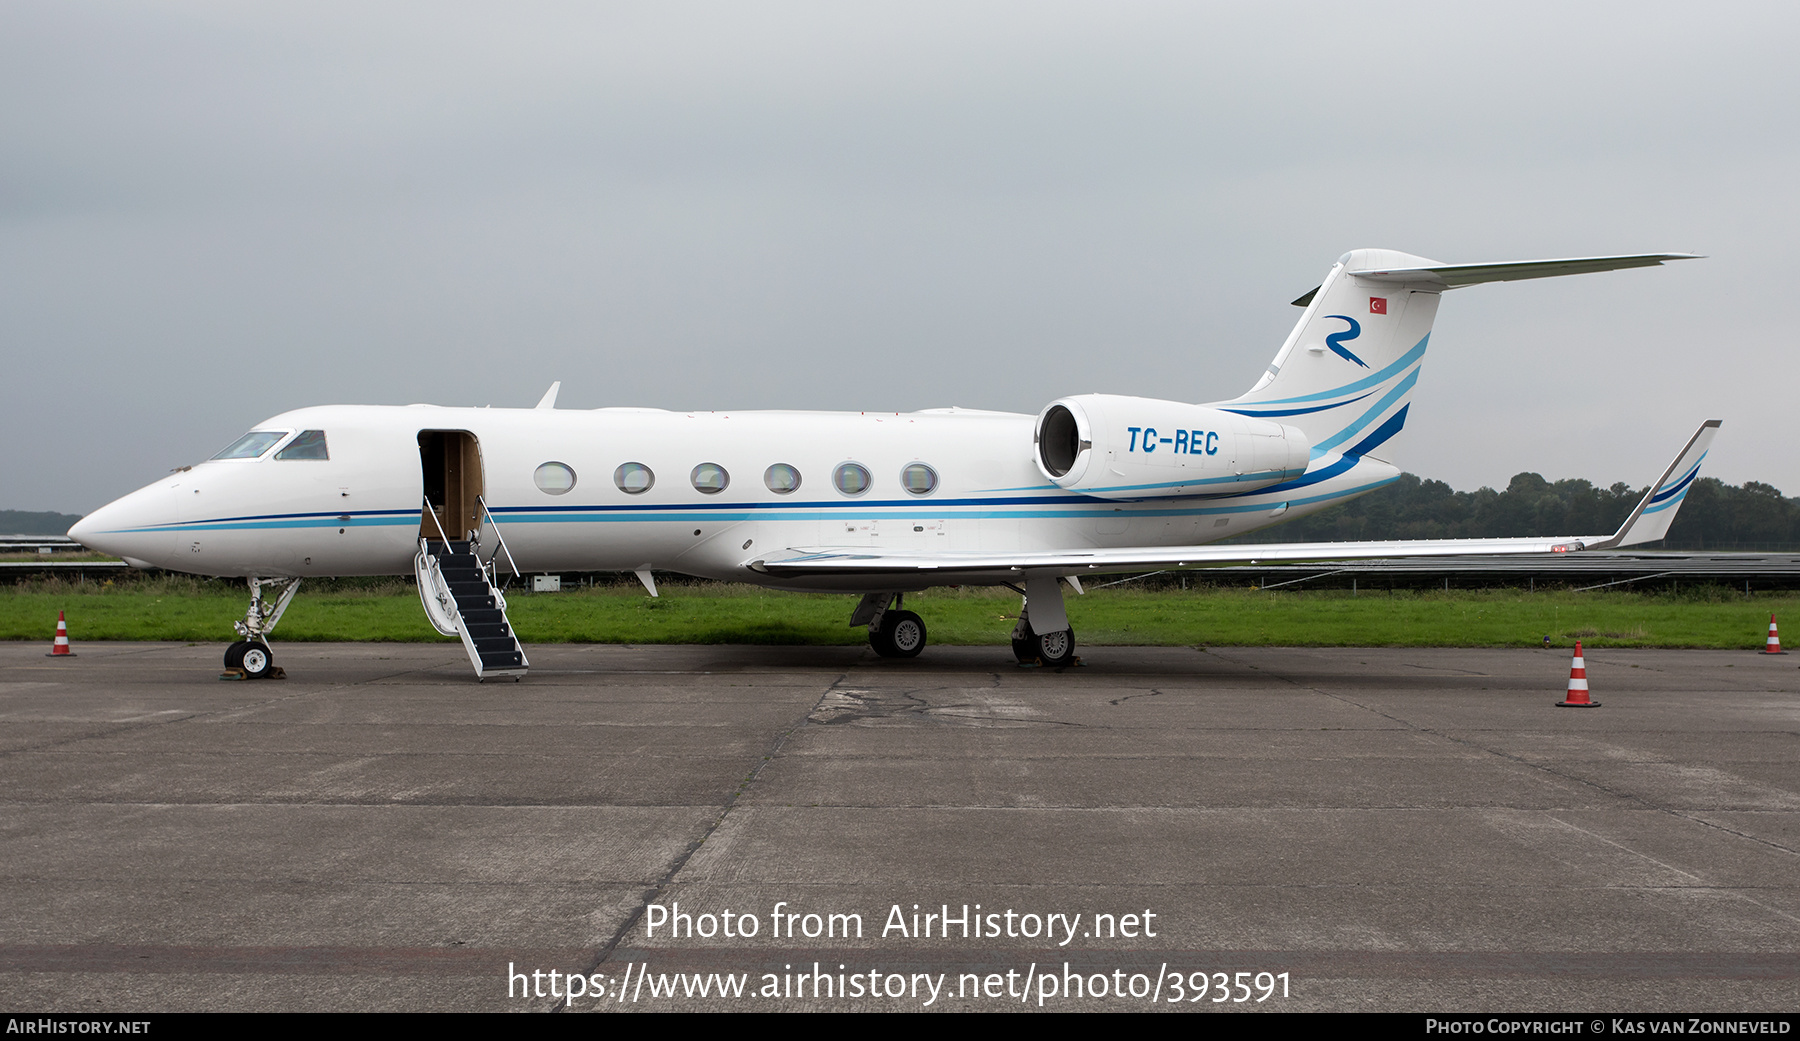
(211, 213)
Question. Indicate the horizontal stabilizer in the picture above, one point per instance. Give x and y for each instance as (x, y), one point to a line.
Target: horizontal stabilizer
(1452, 275)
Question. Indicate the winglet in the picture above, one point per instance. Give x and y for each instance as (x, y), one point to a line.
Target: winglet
(549, 398)
(1656, 512)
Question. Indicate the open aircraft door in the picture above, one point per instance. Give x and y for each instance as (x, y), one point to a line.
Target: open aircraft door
(451, 464)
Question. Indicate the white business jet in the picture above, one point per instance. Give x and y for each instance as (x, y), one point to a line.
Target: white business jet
(876, 504)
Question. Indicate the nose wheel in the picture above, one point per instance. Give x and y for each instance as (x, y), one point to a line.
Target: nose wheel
(252, 656)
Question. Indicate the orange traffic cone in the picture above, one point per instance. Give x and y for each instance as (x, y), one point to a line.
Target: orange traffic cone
(60, 648)
(1773, 646)
(1578, 692)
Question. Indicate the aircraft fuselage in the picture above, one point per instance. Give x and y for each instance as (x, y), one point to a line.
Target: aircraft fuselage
(946, 480)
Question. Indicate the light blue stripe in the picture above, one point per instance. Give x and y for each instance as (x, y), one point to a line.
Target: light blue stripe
(276, 525)
(1366, 382)
(1269, 499)
(1262, 475)
(688, 518)
(1387, 400)
(1267, 413)
(1670, 488)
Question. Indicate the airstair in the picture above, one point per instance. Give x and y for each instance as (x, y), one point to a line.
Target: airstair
(457, 586)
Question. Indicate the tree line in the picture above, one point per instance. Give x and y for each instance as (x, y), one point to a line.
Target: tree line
(1715, 515)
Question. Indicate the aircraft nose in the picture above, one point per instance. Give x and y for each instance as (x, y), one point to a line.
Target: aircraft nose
(83, 530)
(138, 527)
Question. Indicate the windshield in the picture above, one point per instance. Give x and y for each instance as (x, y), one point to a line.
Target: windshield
(309, 445)
(253, 444)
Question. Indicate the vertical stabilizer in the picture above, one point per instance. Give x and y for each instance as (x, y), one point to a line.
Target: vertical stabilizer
(1346, 373)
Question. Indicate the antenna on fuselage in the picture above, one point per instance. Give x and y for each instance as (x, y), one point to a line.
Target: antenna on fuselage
(549, 398)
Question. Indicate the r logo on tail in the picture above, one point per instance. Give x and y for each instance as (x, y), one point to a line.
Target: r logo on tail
(1335, 340)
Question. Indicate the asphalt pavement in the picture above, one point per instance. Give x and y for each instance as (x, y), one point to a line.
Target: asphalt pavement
(818, 828)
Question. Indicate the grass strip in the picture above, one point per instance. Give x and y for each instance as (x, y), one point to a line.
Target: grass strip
(197, 610)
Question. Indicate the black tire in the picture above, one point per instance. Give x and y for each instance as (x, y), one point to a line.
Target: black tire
(1025, 649)
(234, 655)
(902, 635)
(1056, 649)
(257, 661)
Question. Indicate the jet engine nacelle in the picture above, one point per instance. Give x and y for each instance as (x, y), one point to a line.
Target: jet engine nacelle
(1117, 447)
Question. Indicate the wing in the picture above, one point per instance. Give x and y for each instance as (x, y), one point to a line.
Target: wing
(1649, 521)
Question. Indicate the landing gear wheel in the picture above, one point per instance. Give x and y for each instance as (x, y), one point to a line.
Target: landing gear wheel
(257, 661)
(902, 635)
(906, 632)
(234, 655)
(1056, 649)
(1025, 649)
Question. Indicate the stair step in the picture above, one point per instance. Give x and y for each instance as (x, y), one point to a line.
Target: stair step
(486, 630)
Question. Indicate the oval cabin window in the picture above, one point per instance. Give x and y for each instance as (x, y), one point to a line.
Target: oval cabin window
(919, 479)
(633, 478)
(782, 478)
(710, 478)
(851, 478)
(554, 478)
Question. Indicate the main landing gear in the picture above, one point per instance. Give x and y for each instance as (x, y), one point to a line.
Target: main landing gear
(251, 655)
(892, 633)
(1043, 634)
(1053, 649)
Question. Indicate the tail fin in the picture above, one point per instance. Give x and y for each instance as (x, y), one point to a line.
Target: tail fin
(1346, 371)
(1345, 375)
(1656, 511)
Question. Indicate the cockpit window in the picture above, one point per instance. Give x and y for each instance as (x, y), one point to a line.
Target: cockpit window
(253, 444)
(309, 445)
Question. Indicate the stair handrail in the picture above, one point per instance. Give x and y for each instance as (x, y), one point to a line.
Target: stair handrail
(500, 538)
(437, 523)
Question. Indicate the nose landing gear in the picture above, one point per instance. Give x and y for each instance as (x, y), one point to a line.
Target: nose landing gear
(251, 655)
